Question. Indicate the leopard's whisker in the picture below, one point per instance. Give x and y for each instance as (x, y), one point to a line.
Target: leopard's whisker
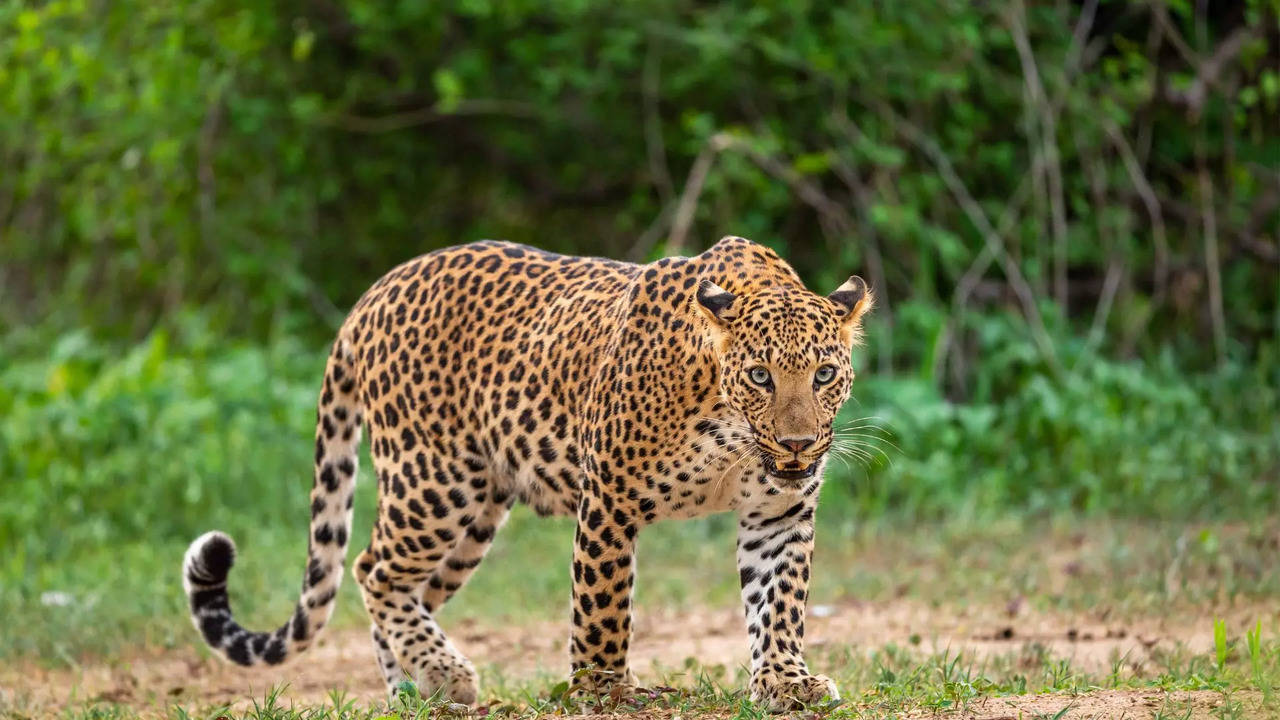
(856, 452)
(867, 446)
(726, 451)
(838, 454)
(877, 438)
(860, 426)
(861, 450)
(725, 474)
(863, 419)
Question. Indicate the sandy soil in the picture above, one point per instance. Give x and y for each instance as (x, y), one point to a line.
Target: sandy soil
(343, 659)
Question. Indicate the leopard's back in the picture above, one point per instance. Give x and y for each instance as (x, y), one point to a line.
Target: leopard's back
(475, 358)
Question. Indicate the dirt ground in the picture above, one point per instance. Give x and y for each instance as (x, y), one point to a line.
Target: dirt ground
(343, 659)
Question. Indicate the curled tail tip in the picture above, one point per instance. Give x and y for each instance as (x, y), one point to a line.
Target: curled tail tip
(208, 560)
(204, 576)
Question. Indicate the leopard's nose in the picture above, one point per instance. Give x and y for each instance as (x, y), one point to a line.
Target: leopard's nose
(797, 444)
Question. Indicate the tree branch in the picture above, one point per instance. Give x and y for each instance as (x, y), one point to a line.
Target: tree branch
(650, 89)
(1212, 266)
(688, 204)
(477, 107)
(993, 240)
(1150, 201)
(1049, 147)
(1209, 71)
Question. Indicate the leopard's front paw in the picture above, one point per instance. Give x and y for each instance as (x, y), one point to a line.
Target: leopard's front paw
(616, 684)
(783, 694)
(458, 682)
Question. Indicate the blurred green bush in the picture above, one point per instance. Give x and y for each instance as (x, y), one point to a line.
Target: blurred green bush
(102, 449)
(267, 160)
(1069, 213)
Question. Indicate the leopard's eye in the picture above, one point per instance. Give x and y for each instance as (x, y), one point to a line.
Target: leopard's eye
(759, 376)
(825, 374)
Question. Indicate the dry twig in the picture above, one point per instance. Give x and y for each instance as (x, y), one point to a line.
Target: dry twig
(692, 191)
(1213, 266)
(1048, 146)
(477, 107)
(1152, 204)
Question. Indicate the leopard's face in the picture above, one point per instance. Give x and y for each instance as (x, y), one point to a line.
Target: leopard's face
(785, 368)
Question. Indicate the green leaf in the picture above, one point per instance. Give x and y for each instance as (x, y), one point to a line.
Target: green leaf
(302, 44)
(448, 87)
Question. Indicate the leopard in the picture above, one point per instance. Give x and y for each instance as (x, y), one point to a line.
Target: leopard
(619, 394)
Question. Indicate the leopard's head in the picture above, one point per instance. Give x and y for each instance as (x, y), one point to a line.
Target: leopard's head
(785, 367)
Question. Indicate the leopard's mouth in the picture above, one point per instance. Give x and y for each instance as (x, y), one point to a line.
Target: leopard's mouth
(792, 472)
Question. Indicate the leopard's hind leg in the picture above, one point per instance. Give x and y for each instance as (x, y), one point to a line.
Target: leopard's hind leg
(447, 579)
(392, 675)
(419, 645)
(465, 557)
(433, 528)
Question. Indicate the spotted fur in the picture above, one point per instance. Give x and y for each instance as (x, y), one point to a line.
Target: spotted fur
(620, 394)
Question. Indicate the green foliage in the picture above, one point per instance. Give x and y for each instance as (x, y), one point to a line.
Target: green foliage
(1220, 642)
(258, 158)
(112, 447)
(1259, 662)
(121, 455)
(191, 194)
(1128, 438)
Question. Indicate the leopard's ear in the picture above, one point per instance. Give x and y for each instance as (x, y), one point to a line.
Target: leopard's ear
(852, 300)
(716, 303)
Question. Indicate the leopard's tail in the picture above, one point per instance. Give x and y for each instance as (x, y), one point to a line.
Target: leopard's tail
(210, 557)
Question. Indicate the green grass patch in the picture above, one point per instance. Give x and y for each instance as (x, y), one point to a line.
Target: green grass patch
(882, 682)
